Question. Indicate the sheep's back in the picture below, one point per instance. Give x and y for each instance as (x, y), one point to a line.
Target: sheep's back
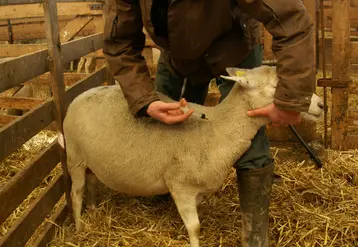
(100, 124)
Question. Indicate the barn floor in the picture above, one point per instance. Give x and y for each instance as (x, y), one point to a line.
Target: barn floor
(310, 208)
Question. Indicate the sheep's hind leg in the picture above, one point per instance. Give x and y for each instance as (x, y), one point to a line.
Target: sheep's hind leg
(186, 204)
(78, 176)
(91, 189)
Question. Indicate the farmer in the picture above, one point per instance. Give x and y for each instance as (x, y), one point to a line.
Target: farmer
(198, 40)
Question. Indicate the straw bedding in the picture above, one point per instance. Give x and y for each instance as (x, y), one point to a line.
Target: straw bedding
(16, 162)
(310, 207)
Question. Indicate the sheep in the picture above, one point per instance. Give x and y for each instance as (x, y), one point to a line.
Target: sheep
(144, 157)
(88, 62)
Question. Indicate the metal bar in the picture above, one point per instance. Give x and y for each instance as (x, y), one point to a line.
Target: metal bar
(324, 73)
(312, 155)
(333, 83)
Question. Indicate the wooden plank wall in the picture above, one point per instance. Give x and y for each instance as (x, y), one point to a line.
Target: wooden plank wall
(341, 56)
(340, 69)
(353, 21)
(276, 134)
(41, 114)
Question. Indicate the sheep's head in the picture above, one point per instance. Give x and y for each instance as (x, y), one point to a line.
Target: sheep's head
(259, 85)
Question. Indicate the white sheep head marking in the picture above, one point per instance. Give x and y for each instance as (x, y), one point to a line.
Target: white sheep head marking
(260, 85)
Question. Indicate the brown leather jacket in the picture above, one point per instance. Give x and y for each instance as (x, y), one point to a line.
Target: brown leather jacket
(206, 36)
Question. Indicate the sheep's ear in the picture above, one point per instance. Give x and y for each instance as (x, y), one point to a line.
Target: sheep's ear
(236, 71)
(239, 76)
(241, 80)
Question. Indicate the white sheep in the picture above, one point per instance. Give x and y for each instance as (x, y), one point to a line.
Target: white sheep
(144, 157)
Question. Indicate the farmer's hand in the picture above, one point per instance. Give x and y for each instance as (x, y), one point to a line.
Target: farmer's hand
(169, 113)
(278, 117)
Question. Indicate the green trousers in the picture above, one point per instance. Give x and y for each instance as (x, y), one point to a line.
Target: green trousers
(258, 155)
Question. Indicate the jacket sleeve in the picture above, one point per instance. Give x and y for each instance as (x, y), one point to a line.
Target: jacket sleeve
(124, 42)
(293, 46)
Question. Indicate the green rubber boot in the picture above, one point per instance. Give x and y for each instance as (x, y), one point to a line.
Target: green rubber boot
(255, 186)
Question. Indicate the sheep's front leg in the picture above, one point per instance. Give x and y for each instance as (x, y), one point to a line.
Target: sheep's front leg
(186, 204)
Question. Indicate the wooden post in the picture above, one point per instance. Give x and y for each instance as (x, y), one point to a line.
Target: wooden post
(58, 85)
(110, 80)
(10, 32)
(340, 68)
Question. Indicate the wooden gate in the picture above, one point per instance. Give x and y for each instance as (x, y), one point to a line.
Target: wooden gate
(340, 17)
(53, 204)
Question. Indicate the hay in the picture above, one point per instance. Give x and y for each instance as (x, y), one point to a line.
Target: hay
(16, 162)
(310, 208)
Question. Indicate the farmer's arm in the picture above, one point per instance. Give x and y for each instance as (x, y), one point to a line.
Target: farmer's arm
(292, 31)
(124, 42)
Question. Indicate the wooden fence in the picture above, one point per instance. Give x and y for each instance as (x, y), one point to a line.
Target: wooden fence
(336, 48)
(343, 17)
(48, 62)
(45, 62)
(85, 18)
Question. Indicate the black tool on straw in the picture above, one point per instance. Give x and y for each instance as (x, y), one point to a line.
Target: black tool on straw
(311, 153)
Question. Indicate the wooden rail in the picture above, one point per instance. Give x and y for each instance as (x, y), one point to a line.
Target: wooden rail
(20, 103)
(45, 79)
(340, 71)
(16, 50)
(33, 28)
(354, 50)
(24, 182)
(37, 67)
(16, 190)
(39, 61)
(95, 79)
(5, 119)
(36, 10)
(352, 16)
(49, 227)
(23, 228)
(13, 135)
(17, 2)
(10, 76)
(353, 117)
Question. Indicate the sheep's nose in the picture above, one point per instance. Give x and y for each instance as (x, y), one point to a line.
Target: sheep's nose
(320, 105)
